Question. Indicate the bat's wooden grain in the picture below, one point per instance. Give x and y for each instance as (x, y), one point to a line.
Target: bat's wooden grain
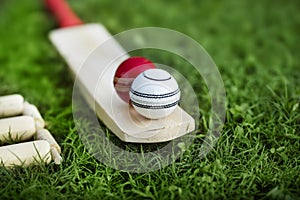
(95, 75)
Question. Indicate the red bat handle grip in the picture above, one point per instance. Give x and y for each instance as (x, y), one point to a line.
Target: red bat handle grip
(63, 13)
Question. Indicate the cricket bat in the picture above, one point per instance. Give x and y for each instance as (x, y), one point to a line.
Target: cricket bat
(75, 41)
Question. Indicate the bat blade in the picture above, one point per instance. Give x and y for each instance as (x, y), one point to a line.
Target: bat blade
(94, 68)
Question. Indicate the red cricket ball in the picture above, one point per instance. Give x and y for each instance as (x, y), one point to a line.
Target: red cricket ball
(127, 72)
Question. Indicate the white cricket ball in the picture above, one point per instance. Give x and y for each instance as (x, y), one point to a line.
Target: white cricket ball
(154, 93)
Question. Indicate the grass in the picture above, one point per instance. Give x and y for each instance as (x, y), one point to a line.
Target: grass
(255, 44)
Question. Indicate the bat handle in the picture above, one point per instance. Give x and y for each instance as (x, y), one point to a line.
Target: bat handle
(63, 13)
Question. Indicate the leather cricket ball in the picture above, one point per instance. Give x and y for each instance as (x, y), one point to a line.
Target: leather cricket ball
(127, 72)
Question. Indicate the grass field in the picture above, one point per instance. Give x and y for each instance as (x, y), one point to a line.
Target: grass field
(255, 44)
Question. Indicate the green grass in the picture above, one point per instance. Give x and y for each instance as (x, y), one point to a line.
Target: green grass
(255, 44)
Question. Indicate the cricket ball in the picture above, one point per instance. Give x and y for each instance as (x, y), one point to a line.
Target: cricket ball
(154, 93)
(127, 72)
